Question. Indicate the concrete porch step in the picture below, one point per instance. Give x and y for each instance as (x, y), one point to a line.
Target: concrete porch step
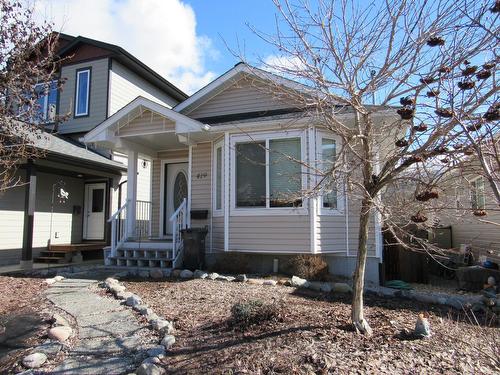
(50, 259)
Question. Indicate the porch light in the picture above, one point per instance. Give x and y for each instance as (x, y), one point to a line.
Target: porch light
(206, 127)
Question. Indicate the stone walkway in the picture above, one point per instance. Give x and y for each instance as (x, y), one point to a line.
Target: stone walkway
(109, 338)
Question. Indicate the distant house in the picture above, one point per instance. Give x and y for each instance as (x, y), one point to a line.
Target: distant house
(217, 162)
(100, 79)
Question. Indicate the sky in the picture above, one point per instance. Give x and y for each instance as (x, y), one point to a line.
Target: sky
(189, 42)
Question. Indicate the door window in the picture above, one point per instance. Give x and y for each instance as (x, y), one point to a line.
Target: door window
(180, 189)
(97, 200)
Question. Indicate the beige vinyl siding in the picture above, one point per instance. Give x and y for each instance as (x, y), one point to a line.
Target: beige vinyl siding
(333, 236)
(201, 183)
(149, 122)
(470, 230)
(98, 96)
(218, 233)
(125, 86)
(268, 234)
(240, 97)
(156, 185)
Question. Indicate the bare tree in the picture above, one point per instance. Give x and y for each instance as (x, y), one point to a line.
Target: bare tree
(28, 65)
(429, 66)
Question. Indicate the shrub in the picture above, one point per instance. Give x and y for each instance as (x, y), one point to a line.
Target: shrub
(246, 314)
(309, 267)
(232, 263)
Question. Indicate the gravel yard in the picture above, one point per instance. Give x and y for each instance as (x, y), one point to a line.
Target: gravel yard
(313, 333)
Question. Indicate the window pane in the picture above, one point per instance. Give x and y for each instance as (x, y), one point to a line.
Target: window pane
(52, 102)
(82, 91)
(218, 179)
(251, 174)
(285, 178)
(97, 200)
(328, 155)
(477, 194)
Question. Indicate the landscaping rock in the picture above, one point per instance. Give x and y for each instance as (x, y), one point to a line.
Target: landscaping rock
(152, 316)
(491, 281)
(34, 360)
(149, 369)
(110, 281)
(168, 341)
(270, 282)
(341, 288)
(124, 295)
(50, 281)
(186, 274)
(58, 320)
(156, 273)
(299, 283)
(117, 288)
(133, 300)
(326, 287)
(60, 334)
(198, 274)
(422, 327)
(255, 281)
(156, 351)
(167, 272)
(242, 278)
(59, 278)
(176, 273)
(143, 310)
(213, 275)
(225, 278)
(49, 348)
(162, 325)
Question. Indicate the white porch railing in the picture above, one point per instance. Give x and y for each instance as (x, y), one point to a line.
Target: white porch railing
(143, 215)
(118, 228)
(179, 222)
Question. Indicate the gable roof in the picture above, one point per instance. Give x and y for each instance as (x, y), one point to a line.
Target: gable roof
(232, 75)
(127, 59)
(133, 108)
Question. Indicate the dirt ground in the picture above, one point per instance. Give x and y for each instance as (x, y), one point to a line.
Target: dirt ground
(313, 334)
(21, 322)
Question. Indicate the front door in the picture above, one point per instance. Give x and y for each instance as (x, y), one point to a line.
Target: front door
(93, 220)
(176, 189)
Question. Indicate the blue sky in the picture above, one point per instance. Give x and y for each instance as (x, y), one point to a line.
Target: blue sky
(184, 40)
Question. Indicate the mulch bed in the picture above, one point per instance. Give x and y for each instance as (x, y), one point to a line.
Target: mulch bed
(22, 324)
(313, 334)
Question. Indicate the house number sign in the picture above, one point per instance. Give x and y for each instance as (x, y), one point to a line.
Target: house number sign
(201, 175)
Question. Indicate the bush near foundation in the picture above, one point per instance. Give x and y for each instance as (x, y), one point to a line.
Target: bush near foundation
(246, 314)
(309, 267)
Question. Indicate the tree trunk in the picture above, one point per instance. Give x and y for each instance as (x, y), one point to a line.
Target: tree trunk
(358, 319)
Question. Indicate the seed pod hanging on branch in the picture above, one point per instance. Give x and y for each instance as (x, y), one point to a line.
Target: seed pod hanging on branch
(406, 113)
(420, 128)
(479, 213)
(444, 112)
(466, 85)
(493, 113)
(435, 41)
(474, 127)
(432, 93)
(407, 101)
(401, 143)
(469, 70)
(495, 8)
(419, 218)
(427, 80)
(444, 69)
(483, 74)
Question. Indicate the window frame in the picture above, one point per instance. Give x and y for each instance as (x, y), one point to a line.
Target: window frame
(341, 196)
(473, 194)
(77, 84)
(266, 137)
(45, 120)
(218, 145)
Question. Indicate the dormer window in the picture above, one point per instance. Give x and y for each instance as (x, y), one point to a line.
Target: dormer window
(82, 95)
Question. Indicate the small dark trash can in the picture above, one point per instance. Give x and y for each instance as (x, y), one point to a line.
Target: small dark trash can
(194, 247)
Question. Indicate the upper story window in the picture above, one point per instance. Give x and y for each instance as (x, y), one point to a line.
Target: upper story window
(478, 201)
(218, 177)
(268, 172)
(47, 101)
(82, 92)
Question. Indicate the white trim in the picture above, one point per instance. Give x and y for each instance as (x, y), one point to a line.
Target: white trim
(162, 189)
(320, 135)
(313, 202)
(190, 172)
(215, 146)
(86, 209)
(266, 136)
(211, 197)
(183, 124)
(77, 114)
(227, 189)
(346, 224)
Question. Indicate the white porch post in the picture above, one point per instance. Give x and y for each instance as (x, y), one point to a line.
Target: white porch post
(131, 193)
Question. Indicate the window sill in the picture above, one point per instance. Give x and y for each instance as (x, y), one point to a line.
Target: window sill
(332, 212)
(218, 213)
(269, 211)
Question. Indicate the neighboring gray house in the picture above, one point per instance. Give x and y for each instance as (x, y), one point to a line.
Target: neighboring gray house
(209, 168)
(100, 79)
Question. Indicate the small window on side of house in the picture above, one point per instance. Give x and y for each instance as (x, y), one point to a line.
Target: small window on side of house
(328, 156)
(478, 201)
(82, 93)
(218, 173)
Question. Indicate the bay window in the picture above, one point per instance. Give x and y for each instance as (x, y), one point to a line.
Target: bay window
(268, 173)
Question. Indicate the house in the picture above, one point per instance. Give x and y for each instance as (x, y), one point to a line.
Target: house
(100, 79)
(217, 162)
